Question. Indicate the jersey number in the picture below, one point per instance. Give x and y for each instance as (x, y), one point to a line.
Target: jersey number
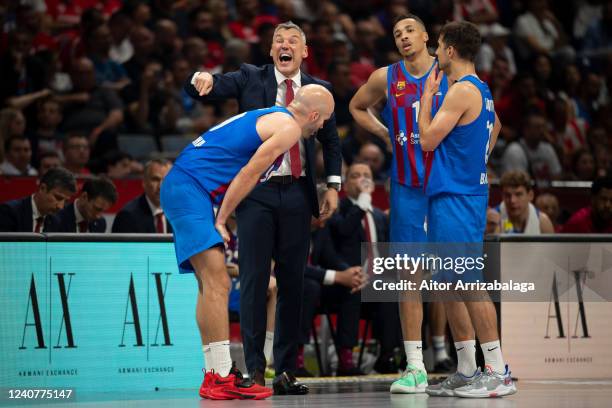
(490, 131)
(416, 106)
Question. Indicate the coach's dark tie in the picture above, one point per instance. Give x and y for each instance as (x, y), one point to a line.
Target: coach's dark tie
(159, 223)
(294, 152)
(39, 224)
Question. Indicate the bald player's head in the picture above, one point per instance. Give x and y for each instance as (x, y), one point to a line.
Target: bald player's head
(314, 104)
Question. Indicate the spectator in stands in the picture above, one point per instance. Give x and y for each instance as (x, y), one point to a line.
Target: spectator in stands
(496, 45)
(23, 75)
(568, 132)
(542, 66)
(348, 231)
(260, 51)
(85, 214)
(373, 156)
(202, 25)
(12, 123)
(36, 212)
(76, 153)
(549, 205)
(108, 72)
(218, 9)
(343, 91)
(168, 45)
(121, 49)
(144, 214)
(522, 99)
(583, 165)
(539, 31)
(571, 87)
(248, 19)
(532, 153)
(18, 154)
(145, 76)
(493, 222)
(330, 283)
(46, 137)
(48, 161)
(120, 165)
(138, 11)
(597, 217)
(96, 111)
(180, 113)
(479, 12)
(517, 214)
(598, 38)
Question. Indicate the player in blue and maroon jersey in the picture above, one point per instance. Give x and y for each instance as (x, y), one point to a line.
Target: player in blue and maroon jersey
(401, 85)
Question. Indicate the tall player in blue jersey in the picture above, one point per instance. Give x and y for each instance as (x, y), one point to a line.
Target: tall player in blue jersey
(401, 85)
(461, 135)
(222, 166)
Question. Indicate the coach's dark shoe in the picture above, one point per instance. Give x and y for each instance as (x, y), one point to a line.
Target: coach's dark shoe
(258, 377)
(287, 384)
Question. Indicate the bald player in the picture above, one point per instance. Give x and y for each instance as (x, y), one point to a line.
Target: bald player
(224, 165)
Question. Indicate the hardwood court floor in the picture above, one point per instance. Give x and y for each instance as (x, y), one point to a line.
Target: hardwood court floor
(367, 392)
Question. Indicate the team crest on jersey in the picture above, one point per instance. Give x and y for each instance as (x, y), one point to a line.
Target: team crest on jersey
(401, 85)
(401, 138)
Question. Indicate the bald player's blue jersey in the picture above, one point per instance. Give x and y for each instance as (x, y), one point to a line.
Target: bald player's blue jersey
(215, 158)
(400, 115)
(459, 164)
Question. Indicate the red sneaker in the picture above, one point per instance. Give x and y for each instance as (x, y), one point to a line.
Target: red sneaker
(233, 387)
(250, 386)
(207, 384)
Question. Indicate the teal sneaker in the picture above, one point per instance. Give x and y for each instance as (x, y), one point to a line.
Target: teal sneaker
(413, 381)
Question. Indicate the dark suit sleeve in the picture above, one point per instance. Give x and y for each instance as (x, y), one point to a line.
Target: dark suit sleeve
(330, 143)
(122, 222)
(346, 223)
(315, 273)
(225, 86)
(8, 218)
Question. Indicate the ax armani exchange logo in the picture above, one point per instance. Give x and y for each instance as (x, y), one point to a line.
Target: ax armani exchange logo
(43, 329)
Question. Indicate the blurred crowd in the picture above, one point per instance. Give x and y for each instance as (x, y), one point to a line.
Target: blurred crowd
(78, 74)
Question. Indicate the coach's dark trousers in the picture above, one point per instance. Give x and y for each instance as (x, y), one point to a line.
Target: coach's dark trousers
(273, 222)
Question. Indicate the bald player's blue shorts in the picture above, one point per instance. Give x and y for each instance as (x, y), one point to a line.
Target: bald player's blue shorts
(190, 211)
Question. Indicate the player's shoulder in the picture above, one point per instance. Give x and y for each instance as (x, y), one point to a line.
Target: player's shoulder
(462, 90)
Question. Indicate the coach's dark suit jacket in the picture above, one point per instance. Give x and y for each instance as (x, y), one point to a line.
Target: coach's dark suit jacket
(348, 233)
(256, 88)
(67, 220)
(16, 216)
(136, 217)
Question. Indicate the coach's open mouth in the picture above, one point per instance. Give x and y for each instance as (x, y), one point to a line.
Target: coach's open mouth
(285, 57)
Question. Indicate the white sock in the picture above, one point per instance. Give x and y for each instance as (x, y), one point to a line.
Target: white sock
(268, 347)
(493, 356)
(466, 357)
(414, 353)
(221, 361)
(439, 346)
(207, 360)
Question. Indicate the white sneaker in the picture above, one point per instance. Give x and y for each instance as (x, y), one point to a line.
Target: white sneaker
(447, 387)
(489, 385)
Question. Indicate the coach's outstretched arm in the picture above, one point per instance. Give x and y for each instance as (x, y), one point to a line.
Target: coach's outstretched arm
(284, 133)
